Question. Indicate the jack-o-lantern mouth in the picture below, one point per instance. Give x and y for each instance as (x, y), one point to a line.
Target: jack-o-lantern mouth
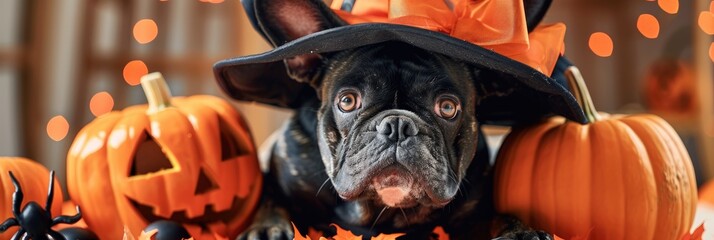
(210, 215)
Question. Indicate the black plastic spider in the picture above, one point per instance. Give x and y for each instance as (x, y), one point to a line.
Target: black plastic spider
(34, 221)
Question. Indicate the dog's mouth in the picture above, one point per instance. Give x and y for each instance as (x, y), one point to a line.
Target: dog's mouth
(395, 187)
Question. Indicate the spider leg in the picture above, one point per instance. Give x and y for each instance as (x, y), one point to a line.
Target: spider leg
(56, 235)
(20, 234)
(50, 192)
(17, 196)
(68, 219)
(8, 223)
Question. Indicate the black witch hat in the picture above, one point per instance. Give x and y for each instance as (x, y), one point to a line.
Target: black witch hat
(500, 37)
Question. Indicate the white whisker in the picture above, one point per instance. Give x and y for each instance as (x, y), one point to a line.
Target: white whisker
(321, 186)
(377, 219)
(405, 216)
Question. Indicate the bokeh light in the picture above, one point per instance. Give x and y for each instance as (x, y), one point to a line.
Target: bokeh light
(669, 6)
(648, 26)
(101, 103)
(57, 128)
(711, 51)
(133, 72)
(601, 44)
(145, 31)
(706, 22)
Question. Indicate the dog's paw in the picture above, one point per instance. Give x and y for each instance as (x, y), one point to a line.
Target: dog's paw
(268, 230)
(525, 235)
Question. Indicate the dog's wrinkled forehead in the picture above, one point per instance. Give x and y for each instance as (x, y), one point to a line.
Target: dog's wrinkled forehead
(395, 68)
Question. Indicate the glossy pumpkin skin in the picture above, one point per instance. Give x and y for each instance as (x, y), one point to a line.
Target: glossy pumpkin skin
(88, 181)
(190, 160)
(33, 178)
(622, 177)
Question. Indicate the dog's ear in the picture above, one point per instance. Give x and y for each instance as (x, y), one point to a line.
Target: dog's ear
(285, 20)
(535, 11)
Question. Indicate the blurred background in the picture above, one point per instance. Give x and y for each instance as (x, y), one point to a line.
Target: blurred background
(62, 63)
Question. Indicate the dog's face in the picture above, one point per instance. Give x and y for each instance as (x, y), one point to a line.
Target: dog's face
(396, 125)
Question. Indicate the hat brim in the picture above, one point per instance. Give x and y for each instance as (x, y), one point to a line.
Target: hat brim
(263, 77)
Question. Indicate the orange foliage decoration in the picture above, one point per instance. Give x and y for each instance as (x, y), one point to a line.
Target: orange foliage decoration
(618, 177)
(440, 233)
(696, 234)
(343, 234)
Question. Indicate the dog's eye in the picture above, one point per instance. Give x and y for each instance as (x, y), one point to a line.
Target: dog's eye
(447, 107)
(348, 101)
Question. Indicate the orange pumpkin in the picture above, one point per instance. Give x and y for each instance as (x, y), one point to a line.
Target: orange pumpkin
(33, 179)
(617, 177)
(189, 160)
(88, 181)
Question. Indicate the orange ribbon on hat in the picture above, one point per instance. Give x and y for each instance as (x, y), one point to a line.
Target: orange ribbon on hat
(498, 25)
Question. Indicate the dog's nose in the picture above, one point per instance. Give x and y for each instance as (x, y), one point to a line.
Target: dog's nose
(397, 127)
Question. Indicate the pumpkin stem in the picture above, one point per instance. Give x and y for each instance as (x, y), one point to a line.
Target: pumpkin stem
(581, 93)
(156, 91)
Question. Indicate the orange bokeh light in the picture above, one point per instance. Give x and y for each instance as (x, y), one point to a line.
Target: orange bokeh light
(669, 6)
(711, 52)
(648, 26)
(601, 44)
(145, 31)
(57, 128)
(133, 72)
(101, 103)
(706, 22)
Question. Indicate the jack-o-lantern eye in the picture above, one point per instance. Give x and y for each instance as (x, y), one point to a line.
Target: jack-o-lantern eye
(230, 146)
(149, 158)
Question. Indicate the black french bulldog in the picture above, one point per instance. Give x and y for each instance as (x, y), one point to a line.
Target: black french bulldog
(392, 143)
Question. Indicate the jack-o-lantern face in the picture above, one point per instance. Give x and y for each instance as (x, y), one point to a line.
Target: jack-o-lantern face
(192, 162)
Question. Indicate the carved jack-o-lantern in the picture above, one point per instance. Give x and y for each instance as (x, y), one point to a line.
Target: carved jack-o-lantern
(189, 160)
